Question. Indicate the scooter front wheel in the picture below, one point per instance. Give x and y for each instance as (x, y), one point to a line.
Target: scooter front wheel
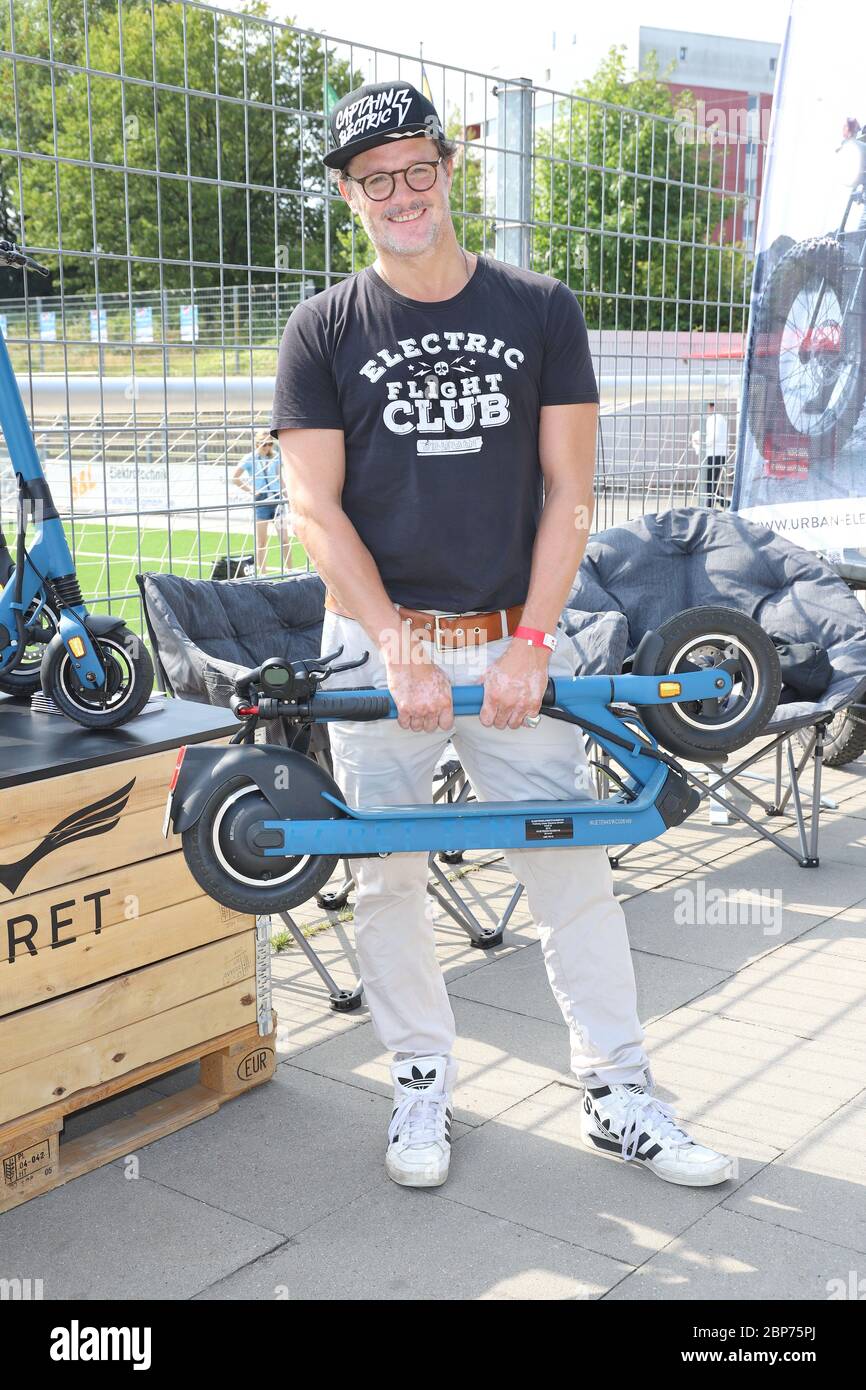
(129, 673)
(710, 638)
(224, 854)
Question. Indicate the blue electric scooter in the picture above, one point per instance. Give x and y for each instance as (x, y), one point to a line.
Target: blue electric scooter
(263, 826)
(95, 669)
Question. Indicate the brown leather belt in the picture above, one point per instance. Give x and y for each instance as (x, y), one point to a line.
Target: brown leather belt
(457, 629)
(463, 629)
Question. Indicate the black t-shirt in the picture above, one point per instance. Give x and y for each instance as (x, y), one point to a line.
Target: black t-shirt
(439, 404)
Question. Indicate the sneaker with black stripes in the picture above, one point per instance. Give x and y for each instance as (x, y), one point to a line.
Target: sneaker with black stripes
(628, 1123)
(419, 1135)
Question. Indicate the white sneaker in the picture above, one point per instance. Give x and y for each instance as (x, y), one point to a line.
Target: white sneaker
(627, 1123)
(419, 1135)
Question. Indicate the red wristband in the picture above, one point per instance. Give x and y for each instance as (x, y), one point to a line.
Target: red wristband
(536, 638)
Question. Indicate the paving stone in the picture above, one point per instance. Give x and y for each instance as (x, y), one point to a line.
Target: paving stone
(842, 840)
(800, 990)
(407, 1245)
(107, 1236)
(728, 1256)
(530, 1166)
(284, 1155)
(760, 903)
(746, 1080)
(841, 935)
(817, 1186)
(503, 1058)
(520, 984)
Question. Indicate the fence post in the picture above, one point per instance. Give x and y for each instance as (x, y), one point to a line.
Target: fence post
(236, 319)
(514, 171)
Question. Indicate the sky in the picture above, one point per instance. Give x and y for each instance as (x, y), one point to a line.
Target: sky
(491, 39)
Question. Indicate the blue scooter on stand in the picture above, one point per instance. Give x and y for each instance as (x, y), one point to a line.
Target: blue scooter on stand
(263, 826)
(94, 668)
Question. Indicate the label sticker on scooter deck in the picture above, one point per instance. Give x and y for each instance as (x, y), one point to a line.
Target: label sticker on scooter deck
(549, 828)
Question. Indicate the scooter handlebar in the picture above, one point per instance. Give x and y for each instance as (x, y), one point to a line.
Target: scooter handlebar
(347, 704)
(353, 705)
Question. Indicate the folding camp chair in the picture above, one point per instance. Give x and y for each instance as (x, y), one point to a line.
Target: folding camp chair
(650, 569)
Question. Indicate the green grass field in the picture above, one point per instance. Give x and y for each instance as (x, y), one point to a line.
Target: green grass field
(107, 560)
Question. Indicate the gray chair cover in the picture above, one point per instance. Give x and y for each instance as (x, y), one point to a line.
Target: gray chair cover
(600, 639)
(653, 568)
(206, 630)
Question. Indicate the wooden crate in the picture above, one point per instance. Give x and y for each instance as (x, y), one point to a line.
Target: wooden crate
(114, 969)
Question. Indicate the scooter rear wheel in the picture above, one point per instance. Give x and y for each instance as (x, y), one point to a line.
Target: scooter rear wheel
(222, 855)
(26, 679)
(707, 638)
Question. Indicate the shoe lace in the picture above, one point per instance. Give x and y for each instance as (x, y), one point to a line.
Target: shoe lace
(419, 1119)
(644, 1113)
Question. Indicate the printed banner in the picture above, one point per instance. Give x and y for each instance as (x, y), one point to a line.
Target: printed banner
(98, 326)
(801, 462)
(188, 323)
(144, 324)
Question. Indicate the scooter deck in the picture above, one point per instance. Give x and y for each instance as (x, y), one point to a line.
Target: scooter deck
(479, 825)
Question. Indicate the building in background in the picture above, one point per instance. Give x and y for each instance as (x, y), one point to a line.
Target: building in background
(732, 81)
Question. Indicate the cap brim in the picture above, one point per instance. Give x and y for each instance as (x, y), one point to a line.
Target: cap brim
(339, 158)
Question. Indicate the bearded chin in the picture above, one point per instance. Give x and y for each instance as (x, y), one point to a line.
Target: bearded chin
(382, 240)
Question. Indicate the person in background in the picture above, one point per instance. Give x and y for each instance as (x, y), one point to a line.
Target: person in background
(260, 474)
(715, 453)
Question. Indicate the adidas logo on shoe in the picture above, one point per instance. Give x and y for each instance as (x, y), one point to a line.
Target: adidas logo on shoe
(419, 1134)
(418, 1081)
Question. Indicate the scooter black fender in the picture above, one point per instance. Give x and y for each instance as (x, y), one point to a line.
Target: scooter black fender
(101, 624)
(646, 655)
(290, 782)
(97, 624)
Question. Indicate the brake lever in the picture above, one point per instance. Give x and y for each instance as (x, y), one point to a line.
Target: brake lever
(321, 667)
(347, 665)
(323, 660)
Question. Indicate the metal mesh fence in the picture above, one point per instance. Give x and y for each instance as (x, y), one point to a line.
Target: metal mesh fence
(164, 159)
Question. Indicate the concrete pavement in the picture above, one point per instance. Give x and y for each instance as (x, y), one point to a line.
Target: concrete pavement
(757, 1034)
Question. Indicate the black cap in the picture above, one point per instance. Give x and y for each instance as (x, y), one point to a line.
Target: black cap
(376, 114)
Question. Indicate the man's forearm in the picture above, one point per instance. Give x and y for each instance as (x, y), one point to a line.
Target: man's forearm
(349, 570)
(559, 545)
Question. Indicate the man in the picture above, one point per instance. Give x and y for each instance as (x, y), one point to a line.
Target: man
(715, 453)
(426, 407)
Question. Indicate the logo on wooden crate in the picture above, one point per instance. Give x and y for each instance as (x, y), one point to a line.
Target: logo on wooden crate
(20, 1167)
(96, 819)
(254, 1063)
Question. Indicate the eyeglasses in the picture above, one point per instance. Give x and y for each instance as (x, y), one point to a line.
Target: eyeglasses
(419, 177)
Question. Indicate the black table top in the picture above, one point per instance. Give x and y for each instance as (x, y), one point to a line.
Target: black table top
(37, 746)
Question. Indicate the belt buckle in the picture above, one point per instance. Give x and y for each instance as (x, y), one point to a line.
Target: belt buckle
(436, 634)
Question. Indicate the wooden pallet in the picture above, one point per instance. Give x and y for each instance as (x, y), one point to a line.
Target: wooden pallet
(115, 968)
(34, 1159)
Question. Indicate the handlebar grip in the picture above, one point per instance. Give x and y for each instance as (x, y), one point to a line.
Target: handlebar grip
(337, 705)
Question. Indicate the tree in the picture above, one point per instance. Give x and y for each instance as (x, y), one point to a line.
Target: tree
(165, 151)
(626, 207)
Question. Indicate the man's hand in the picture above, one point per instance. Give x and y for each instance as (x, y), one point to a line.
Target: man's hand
(422, 693)
(514, 685)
